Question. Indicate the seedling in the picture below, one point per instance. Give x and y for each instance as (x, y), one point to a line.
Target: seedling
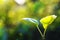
(46, 21)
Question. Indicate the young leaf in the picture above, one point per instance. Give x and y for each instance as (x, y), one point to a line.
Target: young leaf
(47, 20)
(31, 20)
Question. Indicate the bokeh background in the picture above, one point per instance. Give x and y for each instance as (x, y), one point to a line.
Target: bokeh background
(11, 13)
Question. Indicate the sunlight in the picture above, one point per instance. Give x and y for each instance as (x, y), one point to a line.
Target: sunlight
(20, 2)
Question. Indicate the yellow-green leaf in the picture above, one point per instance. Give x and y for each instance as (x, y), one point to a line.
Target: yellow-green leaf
(47, 20)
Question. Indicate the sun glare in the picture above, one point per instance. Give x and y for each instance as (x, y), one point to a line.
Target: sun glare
(20, 2)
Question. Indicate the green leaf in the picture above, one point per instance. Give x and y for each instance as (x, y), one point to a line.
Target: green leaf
(31, 20)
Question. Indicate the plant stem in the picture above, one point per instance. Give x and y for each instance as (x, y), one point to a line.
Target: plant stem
(42, 34)
(39, 31)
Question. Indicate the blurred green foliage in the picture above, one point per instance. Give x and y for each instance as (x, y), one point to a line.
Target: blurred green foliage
(11, 14)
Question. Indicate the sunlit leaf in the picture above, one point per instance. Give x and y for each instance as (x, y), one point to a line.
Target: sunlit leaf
(47, 20)
(31, 20)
